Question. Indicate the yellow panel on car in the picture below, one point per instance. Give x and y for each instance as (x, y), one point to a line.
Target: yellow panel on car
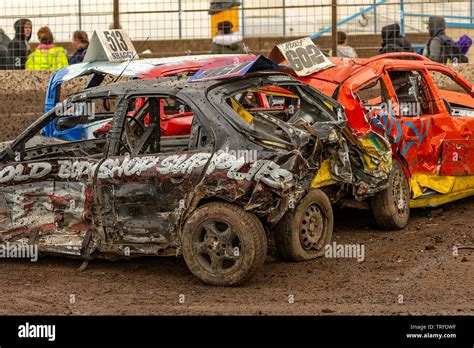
(323, 178)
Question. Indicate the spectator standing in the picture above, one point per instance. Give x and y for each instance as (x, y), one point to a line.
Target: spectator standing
(343, 48)
(392, 41)
(226, 41)
(18, 48)
(80, 43)
(440, 47)
(4, 41)
(47, 56)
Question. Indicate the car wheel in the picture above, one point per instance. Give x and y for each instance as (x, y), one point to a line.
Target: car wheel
(303, 233)
(391, 207)
(223, 244)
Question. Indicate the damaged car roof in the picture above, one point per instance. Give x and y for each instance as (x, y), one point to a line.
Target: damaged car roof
(170, 84)
(344, 68)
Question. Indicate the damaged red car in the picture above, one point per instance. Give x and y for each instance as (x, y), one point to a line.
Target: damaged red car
(425, 110)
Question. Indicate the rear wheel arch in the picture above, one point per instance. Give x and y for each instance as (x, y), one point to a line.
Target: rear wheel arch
(403, 163)
(302, 234)
(207, 249)
(391, 207)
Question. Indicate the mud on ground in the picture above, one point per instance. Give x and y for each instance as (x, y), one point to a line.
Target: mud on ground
(412, 271)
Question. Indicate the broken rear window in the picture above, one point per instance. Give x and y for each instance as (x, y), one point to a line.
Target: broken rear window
(456, 98)
(373, 94)
(159, 124)
(262, 108)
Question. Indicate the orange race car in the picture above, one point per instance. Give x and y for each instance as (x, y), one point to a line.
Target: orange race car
(425, 110)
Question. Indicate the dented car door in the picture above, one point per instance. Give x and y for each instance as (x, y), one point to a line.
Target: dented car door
(47, 202)
(46, 184)
(456, 100)
(143, 187)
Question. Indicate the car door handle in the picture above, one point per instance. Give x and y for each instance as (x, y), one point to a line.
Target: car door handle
(466, 134)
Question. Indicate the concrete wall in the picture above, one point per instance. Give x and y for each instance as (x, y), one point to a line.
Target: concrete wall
(22, 96)
(22, 99)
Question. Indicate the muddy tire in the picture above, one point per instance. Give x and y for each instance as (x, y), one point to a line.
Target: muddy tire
(391, 207)
(222, 244)
(302, 234)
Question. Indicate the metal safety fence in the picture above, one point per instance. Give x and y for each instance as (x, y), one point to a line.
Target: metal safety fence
(195, 19)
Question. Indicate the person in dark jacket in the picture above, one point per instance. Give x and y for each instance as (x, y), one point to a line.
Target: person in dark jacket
(4, 41)
(441, 48)
(80, 42)
(19, 49)
(392, 41)
(436, 28)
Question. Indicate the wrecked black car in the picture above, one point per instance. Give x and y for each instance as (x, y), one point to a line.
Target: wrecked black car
(238, 183)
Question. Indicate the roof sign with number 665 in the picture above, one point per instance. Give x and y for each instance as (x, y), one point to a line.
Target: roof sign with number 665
(110, 45)
(302, 55)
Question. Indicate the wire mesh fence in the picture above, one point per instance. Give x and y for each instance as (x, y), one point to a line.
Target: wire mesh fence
(198, 20)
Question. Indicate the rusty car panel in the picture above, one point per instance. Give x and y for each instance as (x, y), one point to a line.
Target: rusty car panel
(136, 191)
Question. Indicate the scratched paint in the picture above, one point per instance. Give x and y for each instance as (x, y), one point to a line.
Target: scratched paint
(393, 127)
(44, 203)
(23, 172)
(265, 170)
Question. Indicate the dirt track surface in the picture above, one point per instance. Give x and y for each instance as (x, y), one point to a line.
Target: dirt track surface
(416, 262)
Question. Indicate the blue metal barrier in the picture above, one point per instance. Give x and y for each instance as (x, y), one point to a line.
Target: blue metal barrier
(448, 24)
(344, 21)
(402, 17)
(403, 14)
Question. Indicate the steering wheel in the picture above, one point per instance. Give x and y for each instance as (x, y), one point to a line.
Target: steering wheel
(125, 144)
(124, 148)
(140, 123)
